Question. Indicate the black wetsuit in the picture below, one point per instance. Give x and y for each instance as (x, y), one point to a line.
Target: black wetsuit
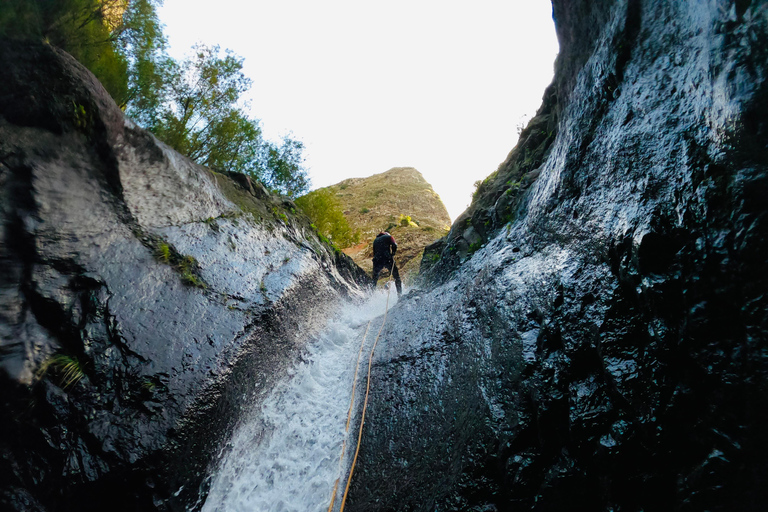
(384, 248)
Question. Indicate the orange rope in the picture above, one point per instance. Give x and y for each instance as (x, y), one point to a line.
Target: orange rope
(367, 391)
(349, 417)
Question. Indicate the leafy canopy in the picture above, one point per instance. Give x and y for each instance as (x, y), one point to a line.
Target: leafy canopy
(204, 119)
(194, 106)
(324, 210)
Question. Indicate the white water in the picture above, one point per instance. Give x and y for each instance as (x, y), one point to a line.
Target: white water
(285, 455)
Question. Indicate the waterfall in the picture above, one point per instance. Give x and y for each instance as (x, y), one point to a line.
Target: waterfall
(284, 456)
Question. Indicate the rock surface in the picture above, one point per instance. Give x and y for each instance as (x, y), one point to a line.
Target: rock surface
(143, 298)
(596, 335)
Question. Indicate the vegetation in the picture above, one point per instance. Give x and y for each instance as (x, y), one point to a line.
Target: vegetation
(406, 221)
(67, 369)
(193, 106)
(163, 252)
(187, 269)
(186, 266)
(324, 211)
(476, 191)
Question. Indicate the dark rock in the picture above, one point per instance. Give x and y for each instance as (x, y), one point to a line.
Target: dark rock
(605, 348)
(172, 295)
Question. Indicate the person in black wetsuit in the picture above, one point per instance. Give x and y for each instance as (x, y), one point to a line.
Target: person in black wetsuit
(384, 248)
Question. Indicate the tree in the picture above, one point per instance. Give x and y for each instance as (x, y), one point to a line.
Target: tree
(144, 45)
(203, 119)
(194, 106)
(87, 29)
(324, 210)
(284, 168)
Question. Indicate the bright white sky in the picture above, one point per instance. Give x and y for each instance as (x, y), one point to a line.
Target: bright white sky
(439, 85)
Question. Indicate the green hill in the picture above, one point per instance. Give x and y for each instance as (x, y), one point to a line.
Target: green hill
(383, 202)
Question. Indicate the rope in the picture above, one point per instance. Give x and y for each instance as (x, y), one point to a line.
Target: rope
(365, 404)
(349, 418)
(367, 391)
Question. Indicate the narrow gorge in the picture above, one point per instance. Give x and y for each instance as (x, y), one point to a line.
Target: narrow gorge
(589, 335)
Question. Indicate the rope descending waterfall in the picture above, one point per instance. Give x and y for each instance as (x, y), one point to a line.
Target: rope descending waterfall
(365, 403)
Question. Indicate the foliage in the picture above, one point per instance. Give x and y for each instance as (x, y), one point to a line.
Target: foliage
(203, 119)
(68, 369)
(87, 29)
(476, 192)
(406, 221)
(144, 45)
(163, 252)
(186, 266)
(193, 106)
(283, 167)
(324, 210)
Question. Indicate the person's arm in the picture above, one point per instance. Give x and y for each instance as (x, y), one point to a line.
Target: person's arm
(393, 244)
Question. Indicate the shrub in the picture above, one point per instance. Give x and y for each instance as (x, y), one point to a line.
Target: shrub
(406, 221)
(475, 193)
(324, 211)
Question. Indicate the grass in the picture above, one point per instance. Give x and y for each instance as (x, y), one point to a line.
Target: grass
(186, 265)
(163, 252)
(67, 369)
(149, 385)
(186, 268)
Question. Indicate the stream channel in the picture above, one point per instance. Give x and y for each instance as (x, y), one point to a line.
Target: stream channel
(285, 454)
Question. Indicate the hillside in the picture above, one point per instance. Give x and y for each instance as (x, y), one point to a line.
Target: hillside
(377, 203)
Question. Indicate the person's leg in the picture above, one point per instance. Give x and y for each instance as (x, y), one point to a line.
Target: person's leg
(377, 267)
(396, 275)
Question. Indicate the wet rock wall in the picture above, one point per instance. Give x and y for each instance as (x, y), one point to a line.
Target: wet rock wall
(594, 335)
(143, 299)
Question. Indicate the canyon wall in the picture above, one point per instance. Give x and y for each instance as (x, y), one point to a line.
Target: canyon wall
(593, 332)
(144, 300)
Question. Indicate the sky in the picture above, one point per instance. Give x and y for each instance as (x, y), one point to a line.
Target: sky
(439, 85)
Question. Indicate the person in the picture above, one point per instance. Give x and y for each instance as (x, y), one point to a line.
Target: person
(384, 248)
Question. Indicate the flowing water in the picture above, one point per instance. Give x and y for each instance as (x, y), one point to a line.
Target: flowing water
(284, 456)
